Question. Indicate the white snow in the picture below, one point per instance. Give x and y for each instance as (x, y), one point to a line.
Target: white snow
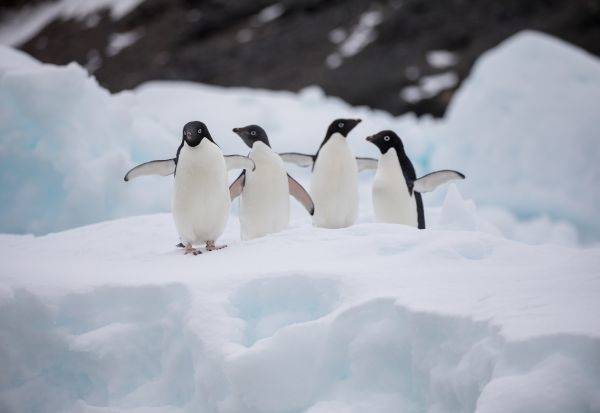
(441, 59)
(373, 317)
(18, 27)
(491, 309)
(359, 37)
(524, 129)
(120, 41)
(429, 86)
(270, 13)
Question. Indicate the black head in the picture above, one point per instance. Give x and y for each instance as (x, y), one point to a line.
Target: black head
(251, 134)
(342, 126)
(385, 140)
(194, 132)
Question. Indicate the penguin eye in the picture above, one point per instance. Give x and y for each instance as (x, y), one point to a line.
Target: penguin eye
(386, 138)
(253, 133)
(341, 124)
(199, 130)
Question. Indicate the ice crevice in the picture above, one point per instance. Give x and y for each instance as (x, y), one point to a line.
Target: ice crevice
(303, 349)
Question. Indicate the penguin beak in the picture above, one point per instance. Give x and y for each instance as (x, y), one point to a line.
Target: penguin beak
(236, 130)
(370, 138)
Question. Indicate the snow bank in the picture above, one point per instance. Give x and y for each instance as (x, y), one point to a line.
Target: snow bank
(112, 318)
(524, 129)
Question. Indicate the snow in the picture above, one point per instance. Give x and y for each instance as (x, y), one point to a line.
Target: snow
(429, 86)
(270, 13)
(441, 59)
(493, 308)
(20, 26)
(374, 317)
(120, 41)
(359, 37)
(524, 129)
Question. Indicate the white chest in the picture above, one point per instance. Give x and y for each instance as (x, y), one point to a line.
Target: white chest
(334, 185)
(392, 202)
(201, 197)
(264, 202)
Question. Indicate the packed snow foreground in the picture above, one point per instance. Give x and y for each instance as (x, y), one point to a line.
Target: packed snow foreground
(491, 309)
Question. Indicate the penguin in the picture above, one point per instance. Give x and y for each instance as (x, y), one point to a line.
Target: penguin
(334, 181)
(264, 193)
(396, 189)
(201, 201)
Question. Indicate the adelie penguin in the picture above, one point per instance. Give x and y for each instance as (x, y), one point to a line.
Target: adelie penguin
(396, 189)
(264, 193)
(334, 181)
(201, 197)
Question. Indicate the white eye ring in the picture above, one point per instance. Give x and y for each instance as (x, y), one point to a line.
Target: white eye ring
(386, 138)
(341, 124)
(199, 130)
(253, 133)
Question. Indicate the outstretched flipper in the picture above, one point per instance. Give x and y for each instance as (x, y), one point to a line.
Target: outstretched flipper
(432, 180)
(298, 192)
(365, 164)
(239, 162)
(236, 188)
(163, 167)
(300, 159)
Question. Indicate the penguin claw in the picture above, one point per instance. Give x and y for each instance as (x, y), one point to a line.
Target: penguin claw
(191, 250)
(210, 246)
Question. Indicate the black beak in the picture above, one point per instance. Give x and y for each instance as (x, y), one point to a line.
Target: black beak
(236, 130)
(370, 138)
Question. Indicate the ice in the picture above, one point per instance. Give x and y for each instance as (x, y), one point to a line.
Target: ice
(441, 59)
(524, 129)
(112, 317)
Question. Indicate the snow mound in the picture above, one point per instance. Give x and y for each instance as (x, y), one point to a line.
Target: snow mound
(524, 129)
(383, 318)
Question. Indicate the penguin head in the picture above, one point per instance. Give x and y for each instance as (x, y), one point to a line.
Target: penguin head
(385, 140)
(194, 132)
(251, 134)
(342, 126)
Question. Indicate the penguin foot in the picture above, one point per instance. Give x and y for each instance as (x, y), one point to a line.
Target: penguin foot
(210, 246)
(191, 250)
(180, 245)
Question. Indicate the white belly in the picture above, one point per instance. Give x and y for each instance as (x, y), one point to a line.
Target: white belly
(392, 202)
(201, 196)
(264, 202)
(334, 185)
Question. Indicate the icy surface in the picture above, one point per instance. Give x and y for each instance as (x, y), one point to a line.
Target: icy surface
(112, 317)
(524, 129)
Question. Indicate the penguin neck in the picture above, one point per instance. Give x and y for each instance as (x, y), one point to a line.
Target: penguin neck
(336, 137)
(407, 167)
(260, 147)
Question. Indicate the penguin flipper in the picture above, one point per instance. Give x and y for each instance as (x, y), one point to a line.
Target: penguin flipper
(365, 164)
(298, 192)
(300, 159)
(236, 188)
(432, 180)
(239, 162)
(163, 167)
